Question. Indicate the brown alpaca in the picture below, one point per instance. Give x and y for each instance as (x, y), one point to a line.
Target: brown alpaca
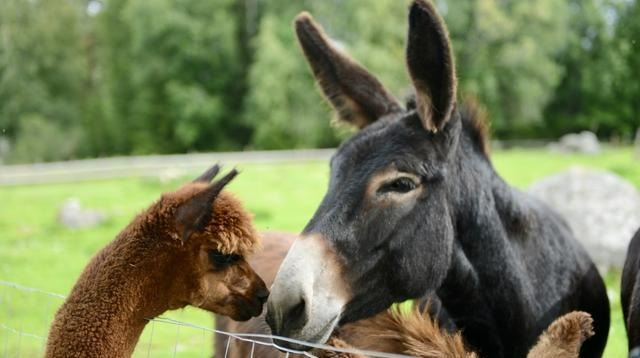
(418, 335)
(188, 248)
(413, 334)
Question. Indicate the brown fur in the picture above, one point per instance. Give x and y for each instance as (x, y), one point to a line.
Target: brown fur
(152, 266)
(564, 337)
(418, 335)
(479, 120)
(414, 334)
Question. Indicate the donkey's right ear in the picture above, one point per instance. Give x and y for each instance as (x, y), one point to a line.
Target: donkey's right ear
(356, 95)
(194, 214)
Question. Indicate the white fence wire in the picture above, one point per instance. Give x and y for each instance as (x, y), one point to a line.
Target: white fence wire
(24, 335)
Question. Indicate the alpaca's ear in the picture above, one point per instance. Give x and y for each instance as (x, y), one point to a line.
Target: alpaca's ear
(194, 214)
(208, 175)
(356, 95)
(431, 65)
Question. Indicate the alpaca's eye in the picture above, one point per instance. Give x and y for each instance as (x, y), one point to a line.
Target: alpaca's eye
(221, 260)
(400, 185)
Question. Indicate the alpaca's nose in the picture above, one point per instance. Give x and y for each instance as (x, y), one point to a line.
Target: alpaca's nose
(262, 295)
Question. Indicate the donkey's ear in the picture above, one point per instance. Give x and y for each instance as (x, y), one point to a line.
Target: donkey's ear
(431, 65)
(357, 96)
(194, 214)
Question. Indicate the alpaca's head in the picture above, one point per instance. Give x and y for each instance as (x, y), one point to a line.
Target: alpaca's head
(210, 235)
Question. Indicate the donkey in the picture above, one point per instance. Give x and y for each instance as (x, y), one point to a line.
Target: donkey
(414, 207)
(630, 295)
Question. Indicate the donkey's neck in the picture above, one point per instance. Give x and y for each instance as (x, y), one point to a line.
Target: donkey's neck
(489, 218)
(110, 304)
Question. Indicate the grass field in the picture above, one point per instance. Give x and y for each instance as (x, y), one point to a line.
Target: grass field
(36, 251)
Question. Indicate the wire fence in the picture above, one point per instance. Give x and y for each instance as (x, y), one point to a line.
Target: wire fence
(27, 312)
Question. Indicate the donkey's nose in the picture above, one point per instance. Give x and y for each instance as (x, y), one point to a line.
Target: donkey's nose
(292, 317)
(297, 315)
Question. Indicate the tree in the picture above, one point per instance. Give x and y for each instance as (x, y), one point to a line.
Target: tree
(627, 81)
(585, 99)
(171, 70)
(506, 52)
(281, 106)
(41, 70)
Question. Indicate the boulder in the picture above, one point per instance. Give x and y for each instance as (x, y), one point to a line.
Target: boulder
(602, 209)
(73, 216)
(584, 142)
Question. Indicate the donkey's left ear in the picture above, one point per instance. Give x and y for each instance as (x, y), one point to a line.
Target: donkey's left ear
(431, 65)
(194, 214)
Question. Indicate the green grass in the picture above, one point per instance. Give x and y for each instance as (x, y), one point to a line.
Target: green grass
(36, 251)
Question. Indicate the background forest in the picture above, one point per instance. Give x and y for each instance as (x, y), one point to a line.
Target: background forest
(96, 78)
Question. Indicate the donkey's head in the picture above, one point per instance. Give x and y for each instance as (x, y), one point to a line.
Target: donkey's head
(383, 232)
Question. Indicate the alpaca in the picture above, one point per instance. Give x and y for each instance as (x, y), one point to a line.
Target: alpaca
(418, 335)
(414, 334)
(188, 248)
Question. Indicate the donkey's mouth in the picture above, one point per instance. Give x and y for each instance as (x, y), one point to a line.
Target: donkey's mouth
(296, 342)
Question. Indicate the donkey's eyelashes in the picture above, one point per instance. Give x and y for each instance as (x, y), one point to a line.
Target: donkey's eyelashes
(399, 185)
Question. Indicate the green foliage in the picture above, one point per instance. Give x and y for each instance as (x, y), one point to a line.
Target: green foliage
(165, 76)
(43, 140)
(505, 53)
(41, 69)
(282, 106)
(172, 65)
(586, 96)
(627, 85)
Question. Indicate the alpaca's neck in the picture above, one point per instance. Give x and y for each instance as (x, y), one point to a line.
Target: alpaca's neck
(110, 304)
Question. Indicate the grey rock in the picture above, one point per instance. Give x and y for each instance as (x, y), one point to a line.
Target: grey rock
(73, 216)
(584, 142)
(602, 209)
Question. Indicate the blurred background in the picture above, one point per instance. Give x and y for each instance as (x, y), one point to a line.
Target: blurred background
(98, 78)
(156, 90)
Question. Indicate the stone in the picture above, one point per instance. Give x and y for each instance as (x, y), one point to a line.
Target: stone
(73, 216)
(602, 209)
(584, 142)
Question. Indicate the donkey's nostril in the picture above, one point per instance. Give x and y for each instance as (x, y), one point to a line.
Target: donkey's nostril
(298, 313)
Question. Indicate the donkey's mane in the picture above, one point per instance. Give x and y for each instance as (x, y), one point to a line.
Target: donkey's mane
(475, 121)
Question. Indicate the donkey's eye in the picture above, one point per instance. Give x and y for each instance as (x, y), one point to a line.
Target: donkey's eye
(221, 260)
(400, 185)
